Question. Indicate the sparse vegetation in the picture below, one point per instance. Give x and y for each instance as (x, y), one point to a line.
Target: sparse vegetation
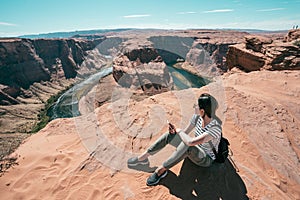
(6, 163)
(8, 144)
(42, 116)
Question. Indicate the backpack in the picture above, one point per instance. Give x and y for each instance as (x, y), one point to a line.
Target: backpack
(223, 150)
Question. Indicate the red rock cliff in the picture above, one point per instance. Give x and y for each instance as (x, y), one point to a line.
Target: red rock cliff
(259, 52)
(24, 62)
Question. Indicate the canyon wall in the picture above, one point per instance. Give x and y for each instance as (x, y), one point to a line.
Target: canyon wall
(142, 68)
(202, 52)
(24, 62)
(259, 52)
(31, 71)
(143, 58)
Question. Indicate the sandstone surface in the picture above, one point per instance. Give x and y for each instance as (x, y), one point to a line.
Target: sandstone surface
(85, 157)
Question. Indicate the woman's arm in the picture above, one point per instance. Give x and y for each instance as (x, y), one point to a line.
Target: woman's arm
(189, 128)
(192, 141)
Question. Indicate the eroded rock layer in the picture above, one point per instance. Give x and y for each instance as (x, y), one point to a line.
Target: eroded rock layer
(258, 52)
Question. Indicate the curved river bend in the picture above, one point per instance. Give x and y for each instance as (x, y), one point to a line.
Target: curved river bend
(67, 104)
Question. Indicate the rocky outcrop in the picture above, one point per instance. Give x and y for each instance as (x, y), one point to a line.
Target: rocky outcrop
(256, 43)
(239, 56)
(208, 54)
(142, 68)
(9, 94)
(264, 53)
(292, 35)
(283, 56)
(20, 64)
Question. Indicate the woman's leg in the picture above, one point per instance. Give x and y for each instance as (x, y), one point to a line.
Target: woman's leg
(195, 153)
(162, 141)
(178, 155)
(198, 156)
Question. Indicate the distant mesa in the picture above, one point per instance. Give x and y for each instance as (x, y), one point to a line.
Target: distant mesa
(73, 33)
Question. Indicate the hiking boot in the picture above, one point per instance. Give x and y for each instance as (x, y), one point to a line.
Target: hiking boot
(134, 161)
(154, 178)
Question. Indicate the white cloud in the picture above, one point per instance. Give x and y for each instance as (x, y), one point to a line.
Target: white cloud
(136, 16)
(7, 24)
(270, 9)
(218, 11)
(184, 13)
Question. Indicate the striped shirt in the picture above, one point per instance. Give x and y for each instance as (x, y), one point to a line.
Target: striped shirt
(213, 128)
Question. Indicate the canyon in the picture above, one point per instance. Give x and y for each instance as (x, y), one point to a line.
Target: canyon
(255, 78)
(34, 70)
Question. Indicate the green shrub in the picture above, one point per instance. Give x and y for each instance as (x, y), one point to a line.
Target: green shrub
(42, 116)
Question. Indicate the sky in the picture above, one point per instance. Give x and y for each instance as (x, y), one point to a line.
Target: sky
(21, 17)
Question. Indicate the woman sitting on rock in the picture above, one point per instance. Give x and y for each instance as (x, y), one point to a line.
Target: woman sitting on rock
(198, 149)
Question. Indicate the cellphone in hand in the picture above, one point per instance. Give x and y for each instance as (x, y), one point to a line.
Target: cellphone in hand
(171, 125)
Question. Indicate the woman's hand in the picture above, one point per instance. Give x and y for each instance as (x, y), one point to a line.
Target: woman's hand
(172, 129)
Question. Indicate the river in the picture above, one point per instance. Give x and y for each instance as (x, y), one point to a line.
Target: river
(184, 79)
(67, 104)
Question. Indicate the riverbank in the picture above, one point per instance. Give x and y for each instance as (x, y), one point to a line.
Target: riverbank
(43, 118)
(67, 104)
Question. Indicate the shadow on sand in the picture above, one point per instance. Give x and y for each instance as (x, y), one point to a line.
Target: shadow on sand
(220, 181)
